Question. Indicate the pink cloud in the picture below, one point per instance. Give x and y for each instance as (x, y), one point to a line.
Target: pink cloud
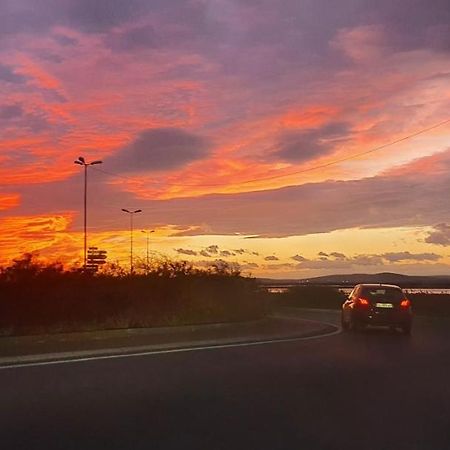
(363, 44)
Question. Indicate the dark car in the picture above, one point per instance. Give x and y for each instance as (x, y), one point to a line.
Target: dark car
(379, 305)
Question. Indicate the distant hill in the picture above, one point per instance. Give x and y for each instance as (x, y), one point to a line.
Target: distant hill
(439, 281)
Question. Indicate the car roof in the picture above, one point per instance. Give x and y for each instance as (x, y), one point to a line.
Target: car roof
(379, 285)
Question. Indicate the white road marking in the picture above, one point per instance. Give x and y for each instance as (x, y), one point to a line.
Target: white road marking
(173, 350)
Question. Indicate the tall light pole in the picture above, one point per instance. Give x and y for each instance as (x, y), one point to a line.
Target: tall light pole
(82, 162)
(147, 232)
(131, 213)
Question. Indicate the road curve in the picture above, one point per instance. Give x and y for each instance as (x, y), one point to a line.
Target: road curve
(373, 390)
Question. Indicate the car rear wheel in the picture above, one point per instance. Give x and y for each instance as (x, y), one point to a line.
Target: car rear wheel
(345, 325)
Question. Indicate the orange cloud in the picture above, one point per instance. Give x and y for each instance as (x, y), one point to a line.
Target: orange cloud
(44, 80)
(21, 234)
(310, 117)
(433, 166)
(51, 237)
(8, 201)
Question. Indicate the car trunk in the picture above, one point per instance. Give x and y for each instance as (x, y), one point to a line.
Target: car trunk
(384, 299)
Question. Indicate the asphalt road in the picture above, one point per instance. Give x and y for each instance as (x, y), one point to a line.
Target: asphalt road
(373, 390)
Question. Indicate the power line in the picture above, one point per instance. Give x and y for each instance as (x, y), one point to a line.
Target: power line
(113, 174)
(297, 172)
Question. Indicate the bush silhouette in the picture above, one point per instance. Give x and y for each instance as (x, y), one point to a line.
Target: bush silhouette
(41, 298)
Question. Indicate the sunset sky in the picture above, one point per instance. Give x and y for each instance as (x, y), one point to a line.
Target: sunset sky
(218, 119)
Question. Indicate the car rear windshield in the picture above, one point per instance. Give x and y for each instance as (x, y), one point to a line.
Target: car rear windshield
(382, 293)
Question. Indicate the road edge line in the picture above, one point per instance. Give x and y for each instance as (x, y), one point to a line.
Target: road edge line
(131, 354)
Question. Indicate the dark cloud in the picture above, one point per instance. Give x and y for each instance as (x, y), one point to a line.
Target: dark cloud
(320, 264)
(298, 31)
(8, 75)
(248, 266)
(35, 122)
(183, 251)
(271, 258)
(305, 145)
(160, 149)
(8, 112)
(100, 15)
(325, 255)
(407, 256)
(364, 260)
(429, 22)
(332, 264)
(341, 261)
(90, 16)
(280, 266)
(65, 40)
(337, 255)
(21, 16)
(440, 235)
(15, 115)
(213, 251)
(141, 37)
(298, 258)
(50, 57)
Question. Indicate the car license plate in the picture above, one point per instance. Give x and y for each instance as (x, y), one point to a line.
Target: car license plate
(384, 305)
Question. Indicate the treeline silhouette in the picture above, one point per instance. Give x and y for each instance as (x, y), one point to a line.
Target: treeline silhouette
(36, 297)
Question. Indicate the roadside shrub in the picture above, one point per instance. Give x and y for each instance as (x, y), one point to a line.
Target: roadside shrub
(324, 297)
(45, 298)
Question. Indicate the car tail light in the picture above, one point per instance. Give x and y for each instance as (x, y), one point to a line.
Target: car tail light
(405, 303)
(362, 301)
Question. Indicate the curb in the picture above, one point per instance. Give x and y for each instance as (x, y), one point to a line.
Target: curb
(141, 330)
(326, 329)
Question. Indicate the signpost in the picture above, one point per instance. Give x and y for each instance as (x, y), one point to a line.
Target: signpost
(95, 258)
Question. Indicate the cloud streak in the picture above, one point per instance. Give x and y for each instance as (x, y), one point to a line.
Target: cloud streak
(440, 235)
(310, 144)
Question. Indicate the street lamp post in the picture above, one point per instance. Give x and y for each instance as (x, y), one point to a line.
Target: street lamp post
(131, 213)
(82, 162)
(147, 232)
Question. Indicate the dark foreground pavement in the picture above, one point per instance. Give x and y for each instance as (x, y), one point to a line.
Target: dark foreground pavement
(373, 390)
